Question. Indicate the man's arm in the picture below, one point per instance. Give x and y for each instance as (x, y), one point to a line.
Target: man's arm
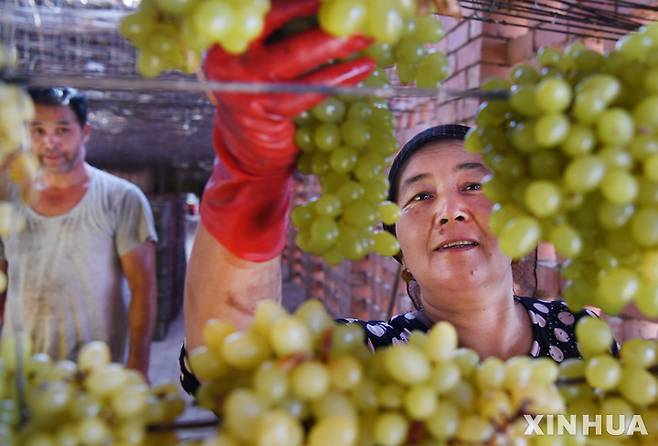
(221, 285)
(139, 268)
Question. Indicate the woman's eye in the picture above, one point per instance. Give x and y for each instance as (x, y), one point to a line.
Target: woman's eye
(421, 196)
(473, 186)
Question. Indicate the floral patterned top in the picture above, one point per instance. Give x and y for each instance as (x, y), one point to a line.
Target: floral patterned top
(553, 328)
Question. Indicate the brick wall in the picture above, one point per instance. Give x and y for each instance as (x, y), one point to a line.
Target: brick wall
(476, 51)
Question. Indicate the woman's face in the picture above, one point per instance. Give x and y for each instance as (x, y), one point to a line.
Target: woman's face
(443, 229)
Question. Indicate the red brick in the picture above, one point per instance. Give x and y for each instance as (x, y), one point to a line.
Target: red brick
(449, 23)
(544, 38)
(457, 81)
(520, 48)
(488, 71)
(494, 50)
(458, 37)
(474, 29)
(500, 30)
(469, 54)
(473, 76)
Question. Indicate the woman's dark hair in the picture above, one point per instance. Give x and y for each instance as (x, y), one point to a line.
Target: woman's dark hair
(448, 132)
(57, 96)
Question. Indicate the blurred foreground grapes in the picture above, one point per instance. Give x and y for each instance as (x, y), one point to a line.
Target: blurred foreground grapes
(575, 155)
(302, 379)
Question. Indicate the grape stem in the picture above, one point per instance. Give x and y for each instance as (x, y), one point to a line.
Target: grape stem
(180, 425)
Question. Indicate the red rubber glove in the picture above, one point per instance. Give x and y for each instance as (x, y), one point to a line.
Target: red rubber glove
(246, 202)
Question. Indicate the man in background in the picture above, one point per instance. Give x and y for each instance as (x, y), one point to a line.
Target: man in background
(84, 233)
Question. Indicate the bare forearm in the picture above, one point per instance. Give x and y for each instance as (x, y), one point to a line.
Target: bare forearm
(223, 286)
(142, 312)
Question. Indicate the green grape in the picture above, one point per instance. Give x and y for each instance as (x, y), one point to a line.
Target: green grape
(384, 22)
(649, 265)
(643, 147)
(548, 56)
(523, 100)
(360, 214)
(567, 240)
(551, 129)
(615, 127)
(320, 163)
(617, 287)
(342, 17)
(136, 27)
(594, 336)
(646, 299)
(553, 95)
(523, 136)
(490, 374)
(326, 137)
(473, 428)
(310, 380)
(443, 424)
(432, 69)
(407, 364)
(385, 243)
(333, 404)
(149, 64)
(644, 227)
(409, 50)
(638, 352)
(604, 86)
(613, 215)
(580, 140)
(645, 112)
(355, 133)
(242, 409)
(324, 232)
(278, 428)
(381, 53)
(444, 376)
(350, 191)
(615, 157)
(376, 190)
(328, 205)
(524, 74)
(428, 29)
(542, 198)
(619, 186)
(389, 212)
(638, 386)
(346, 373)
(519, 236)
(584, 174)
(333, 431)
(391, 429)
(304, 139)
(302, 216)
(330, 110)
(290, 335)
(588, 107)
(214, 18)
(244, 350)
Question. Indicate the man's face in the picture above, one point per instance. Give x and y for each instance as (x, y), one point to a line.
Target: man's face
(57, 138)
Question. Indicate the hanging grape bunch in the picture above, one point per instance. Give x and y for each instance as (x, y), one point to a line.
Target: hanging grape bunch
(91, 402)
(575, 155)
(348, 142)
(18, 166)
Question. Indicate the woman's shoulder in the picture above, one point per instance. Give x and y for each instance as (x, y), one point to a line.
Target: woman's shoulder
(380, 333)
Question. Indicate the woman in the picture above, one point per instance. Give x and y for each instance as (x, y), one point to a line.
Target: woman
(451, 261)
(458, 271)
